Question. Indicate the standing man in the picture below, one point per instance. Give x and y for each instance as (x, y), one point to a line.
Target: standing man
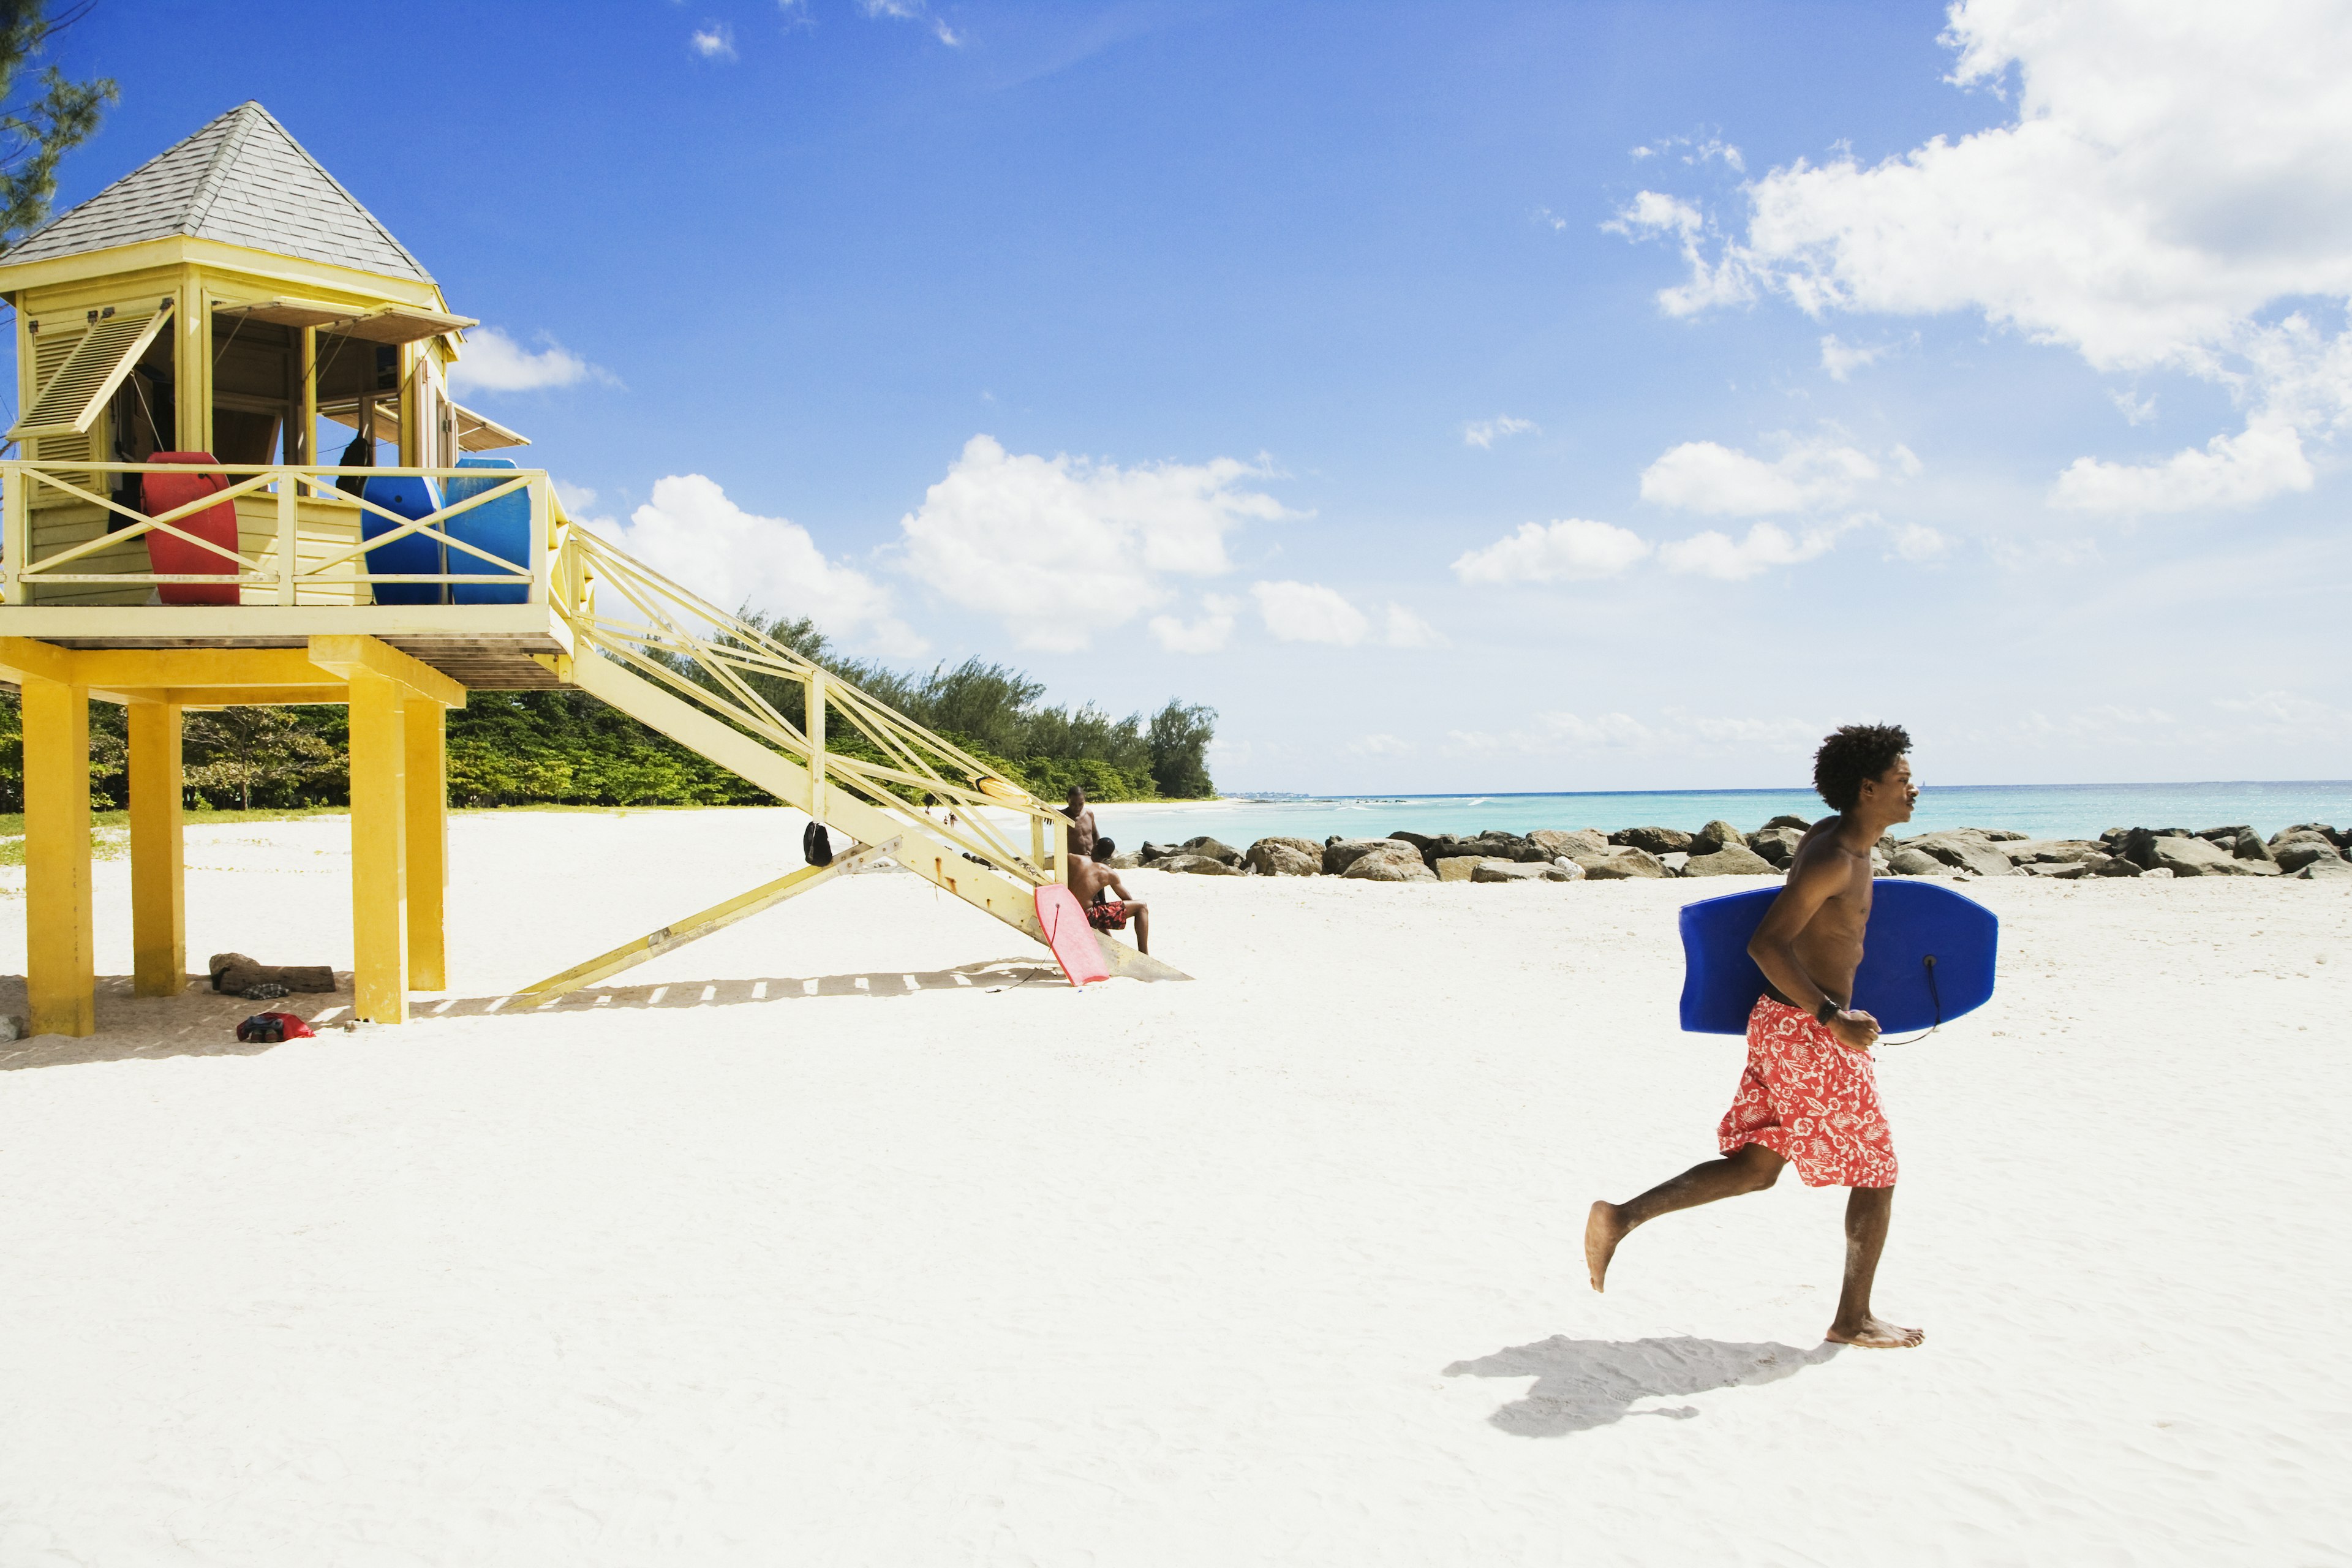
(1081, 831)
(1808, 1097)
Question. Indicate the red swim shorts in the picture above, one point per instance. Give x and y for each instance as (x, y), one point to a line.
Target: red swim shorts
(1108, 915)
(1812, 1100)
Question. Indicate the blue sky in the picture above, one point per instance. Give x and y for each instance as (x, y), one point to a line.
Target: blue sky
(1477, 397)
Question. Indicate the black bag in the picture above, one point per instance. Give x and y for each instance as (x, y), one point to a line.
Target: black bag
(816, 845)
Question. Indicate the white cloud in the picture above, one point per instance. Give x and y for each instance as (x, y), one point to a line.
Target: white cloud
(2135, 410)
(1679, 732)
(1381, 746)
(493, 361)
(912, 11)
(690, 532)
(1714, 554)
(1693, 151)
(1918, 542)
(1308, 612)
(576, 498)
(1208, 635)
(715, 42)
(1400, 627)
(1548, 218)
(2287, 713)
(1487, 432)
(1703, 477)
(1062, 547)
(2174, 169)
(1842, 359)
(2265, 460)
(1571, 550)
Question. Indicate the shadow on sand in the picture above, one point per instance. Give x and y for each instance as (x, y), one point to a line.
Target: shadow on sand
(1583, 1383)
(201, 1023)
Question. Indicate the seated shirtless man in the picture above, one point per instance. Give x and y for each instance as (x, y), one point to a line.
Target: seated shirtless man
(1808, 1097)
(1091, 878)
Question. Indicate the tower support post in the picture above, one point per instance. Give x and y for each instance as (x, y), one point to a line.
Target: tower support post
(425, 737)
(379, 751)
(159, 904)
(61, 977)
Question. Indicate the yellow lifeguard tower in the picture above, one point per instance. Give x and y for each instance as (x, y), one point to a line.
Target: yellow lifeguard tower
(169, 540)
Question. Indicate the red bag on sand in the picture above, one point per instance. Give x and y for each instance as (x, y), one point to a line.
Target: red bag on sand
(270, 1027)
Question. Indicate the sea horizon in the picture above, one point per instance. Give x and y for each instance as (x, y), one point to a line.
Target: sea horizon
(2053, 811)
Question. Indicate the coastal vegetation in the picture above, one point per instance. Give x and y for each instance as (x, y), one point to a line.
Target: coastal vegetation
(565, 748)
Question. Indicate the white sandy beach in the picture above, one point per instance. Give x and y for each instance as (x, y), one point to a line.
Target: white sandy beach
(950, 1263)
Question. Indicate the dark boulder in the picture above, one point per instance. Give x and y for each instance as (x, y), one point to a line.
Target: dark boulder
(1653, 840)
(1215, 849)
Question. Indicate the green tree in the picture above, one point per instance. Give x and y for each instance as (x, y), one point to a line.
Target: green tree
(245, 749)
(1179, 737)
(39, 127)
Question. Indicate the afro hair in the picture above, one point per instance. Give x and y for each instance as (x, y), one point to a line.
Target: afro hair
(1857, 752)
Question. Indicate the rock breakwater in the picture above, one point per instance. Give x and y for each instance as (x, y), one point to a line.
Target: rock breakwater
(2307, 852)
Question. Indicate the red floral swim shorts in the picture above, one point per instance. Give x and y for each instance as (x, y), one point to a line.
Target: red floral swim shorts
(1812, 1100)
(1108, 915)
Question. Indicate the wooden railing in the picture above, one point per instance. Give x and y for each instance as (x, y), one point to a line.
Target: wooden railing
(301, 537)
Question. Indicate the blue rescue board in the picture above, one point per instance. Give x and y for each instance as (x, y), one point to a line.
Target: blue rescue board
(502, 527)
(1910, 922)
(412, 496)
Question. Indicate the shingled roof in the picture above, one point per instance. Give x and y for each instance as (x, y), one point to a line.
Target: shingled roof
(242, 180)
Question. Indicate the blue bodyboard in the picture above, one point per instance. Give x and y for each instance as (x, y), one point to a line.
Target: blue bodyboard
(412, 497)
(1910, 922)
(502, 527)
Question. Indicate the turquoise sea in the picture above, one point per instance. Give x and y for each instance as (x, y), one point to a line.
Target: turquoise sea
(2044, 811)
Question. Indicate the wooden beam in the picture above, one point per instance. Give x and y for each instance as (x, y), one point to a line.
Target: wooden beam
(352, 657)
(717, 917)
(379, 851)
(159, 904)
(425, 770)
(61, 977)
(187, 667)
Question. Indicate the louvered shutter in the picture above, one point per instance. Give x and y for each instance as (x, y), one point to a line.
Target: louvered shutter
(85, 375)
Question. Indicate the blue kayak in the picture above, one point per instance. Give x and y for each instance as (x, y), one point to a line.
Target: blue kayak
(502, 527)
(1927, 957)
(412, 497)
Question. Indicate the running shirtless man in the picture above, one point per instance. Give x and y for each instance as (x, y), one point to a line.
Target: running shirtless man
(1090, 879)
(1808, 1097)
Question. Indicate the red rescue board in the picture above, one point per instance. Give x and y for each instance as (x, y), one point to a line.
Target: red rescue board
(1071, 940)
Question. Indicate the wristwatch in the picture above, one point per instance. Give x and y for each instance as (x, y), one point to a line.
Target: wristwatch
(1828, 1009)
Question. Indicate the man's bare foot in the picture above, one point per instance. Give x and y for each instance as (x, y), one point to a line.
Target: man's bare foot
(1873, 1334)
(1604, 1229)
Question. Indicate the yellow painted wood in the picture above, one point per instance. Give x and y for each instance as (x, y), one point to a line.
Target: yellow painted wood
(159, 906)
(192, 667)
(288, 564)
(307, 368)
(412, 429)
(349, 656)
(192, 362)
(379, 849)
(427, 765)
(788, 781)
(209, 621)
(59, 978)
(718, 917)
(814, 725)
(238, 272)
(15, 530)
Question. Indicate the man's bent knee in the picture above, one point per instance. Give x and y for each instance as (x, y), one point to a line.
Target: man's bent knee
(1760, 1165)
